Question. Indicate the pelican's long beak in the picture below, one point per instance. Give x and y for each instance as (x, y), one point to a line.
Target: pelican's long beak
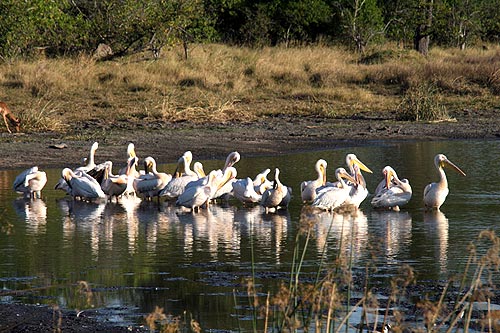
(388, 177)
(228, 175)
(457, 169)
(347, 176)
(361, 165)
(323, 172)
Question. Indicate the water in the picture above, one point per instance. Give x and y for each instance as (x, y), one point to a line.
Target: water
(134, 256)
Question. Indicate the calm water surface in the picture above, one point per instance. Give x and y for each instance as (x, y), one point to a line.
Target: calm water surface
(137, 255)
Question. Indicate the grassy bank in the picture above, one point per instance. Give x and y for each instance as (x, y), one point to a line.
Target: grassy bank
(220, 83)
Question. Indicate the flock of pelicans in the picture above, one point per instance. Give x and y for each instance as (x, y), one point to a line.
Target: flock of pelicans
(193, 188)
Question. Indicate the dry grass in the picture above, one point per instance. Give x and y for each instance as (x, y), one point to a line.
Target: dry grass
(221, 84)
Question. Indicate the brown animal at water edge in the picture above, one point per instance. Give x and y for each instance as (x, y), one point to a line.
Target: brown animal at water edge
(8, 115)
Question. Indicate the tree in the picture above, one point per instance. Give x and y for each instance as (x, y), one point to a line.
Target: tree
(362, 21)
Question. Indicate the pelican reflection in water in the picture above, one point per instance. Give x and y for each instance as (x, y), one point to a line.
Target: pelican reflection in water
(437, 228)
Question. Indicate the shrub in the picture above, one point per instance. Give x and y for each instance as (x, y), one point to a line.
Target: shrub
(421, 102)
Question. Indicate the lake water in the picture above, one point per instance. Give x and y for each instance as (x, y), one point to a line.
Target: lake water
(138, 255)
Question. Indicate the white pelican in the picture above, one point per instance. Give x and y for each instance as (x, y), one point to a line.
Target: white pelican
(183, 175)
(244, 191)
(331, 197)
(82, 185)
(391, 192)
(308, 187)
(276, 197)
(90, 161)
(358, 191)
(30, 182)
(116, 185)
(152, 184)
(435, 193)
(195, 196)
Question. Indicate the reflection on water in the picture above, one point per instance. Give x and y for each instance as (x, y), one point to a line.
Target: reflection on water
(436, 228)
(138, 255)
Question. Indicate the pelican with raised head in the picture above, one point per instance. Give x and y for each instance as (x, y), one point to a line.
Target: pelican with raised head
(278, 196)
(435, 193)
(152, 183)
(308, 188)
(391, 192)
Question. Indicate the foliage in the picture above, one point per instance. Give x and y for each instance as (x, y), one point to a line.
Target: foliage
(74, 26)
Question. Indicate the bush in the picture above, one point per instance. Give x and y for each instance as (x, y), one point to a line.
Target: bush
(421, 102)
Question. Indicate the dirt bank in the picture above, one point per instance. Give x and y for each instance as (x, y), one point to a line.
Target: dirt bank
(267, 136)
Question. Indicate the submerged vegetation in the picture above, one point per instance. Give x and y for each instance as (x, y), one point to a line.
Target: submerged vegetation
(219, 83)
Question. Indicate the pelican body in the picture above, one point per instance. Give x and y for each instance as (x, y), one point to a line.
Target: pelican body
(435, 193)
(331, 197)
(391, 192)
(30, 182)
(308, 188)
(278, 196)
(82, 185)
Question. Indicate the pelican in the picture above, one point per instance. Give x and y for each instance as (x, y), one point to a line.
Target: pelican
(195, 196)
(130, 155)
(308, 187)
(391, 192)
(183, 175)
(244, 191)
(82, 185)
(358, 191)
(90, 162)
(116, 185)
(30, 182)
(435, 193)
(331, 197)
(151, 184)
(276, 197)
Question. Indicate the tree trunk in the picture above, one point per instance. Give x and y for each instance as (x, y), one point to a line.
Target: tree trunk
(422, 40)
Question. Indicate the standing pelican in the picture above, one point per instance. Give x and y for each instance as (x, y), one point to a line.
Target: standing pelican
(435, 193)
(30, 182)
(82, 185)
(276, 197)
(151, 184)
(308, 187)
(331, 197)
(391, 192)
(116, 185)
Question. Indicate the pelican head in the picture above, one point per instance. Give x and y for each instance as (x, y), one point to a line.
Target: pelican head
(340, 174)
(131, 150)
(232, 159)
(352, 160)
(388, 174)
(442, 161)
(321, 165)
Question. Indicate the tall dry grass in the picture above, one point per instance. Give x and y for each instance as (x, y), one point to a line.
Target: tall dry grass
(219, 83)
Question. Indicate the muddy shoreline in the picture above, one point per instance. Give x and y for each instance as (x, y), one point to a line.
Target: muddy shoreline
(267, 136)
